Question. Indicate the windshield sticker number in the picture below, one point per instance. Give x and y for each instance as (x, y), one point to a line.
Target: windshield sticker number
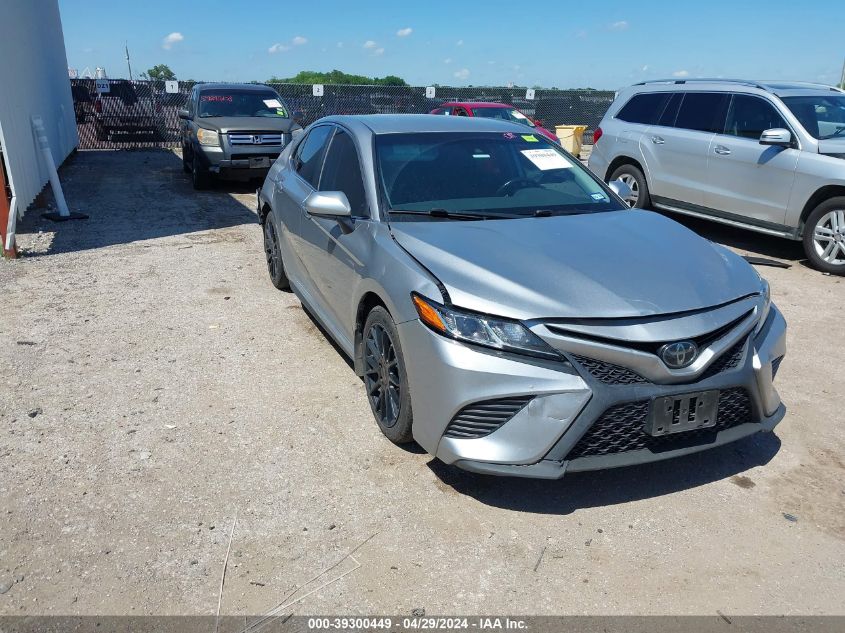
(218, 98)
(598, 196)
(272, 103)
(546, 159)
(529, 138)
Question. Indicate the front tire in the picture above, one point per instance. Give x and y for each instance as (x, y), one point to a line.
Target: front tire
(273, 255)
(200, 178)
(385, 378)
(824, 236)
(633, 176)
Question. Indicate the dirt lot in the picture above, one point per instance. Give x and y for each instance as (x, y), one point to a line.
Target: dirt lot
(155, 384)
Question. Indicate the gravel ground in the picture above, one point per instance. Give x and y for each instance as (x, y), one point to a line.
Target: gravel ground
(155, 384)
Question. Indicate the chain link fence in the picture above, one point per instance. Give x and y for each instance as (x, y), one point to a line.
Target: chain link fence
(143, 114)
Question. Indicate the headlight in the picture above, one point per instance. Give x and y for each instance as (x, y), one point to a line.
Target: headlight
(482, 329)
(766, 293)
(208, 137)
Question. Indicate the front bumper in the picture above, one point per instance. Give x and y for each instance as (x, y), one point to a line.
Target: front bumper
(542, 439)
(238, 162)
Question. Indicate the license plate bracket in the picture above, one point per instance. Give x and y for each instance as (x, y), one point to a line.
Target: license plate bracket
(258, 163)
(683, 412)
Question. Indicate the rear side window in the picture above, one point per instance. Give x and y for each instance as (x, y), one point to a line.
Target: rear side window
(643, 108)
(749, 117)
(702, 111)
(670, 112)
(310, 153)
(342, 172)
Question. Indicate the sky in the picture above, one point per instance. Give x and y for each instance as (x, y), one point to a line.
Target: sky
(559, 44)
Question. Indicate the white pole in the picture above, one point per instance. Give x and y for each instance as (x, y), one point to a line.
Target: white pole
(44, 146)
(10, 228)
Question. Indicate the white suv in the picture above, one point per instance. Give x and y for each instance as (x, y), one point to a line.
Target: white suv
(766, 156)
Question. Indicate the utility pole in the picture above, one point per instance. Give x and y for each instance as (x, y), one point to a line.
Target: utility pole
(842, 79)
(127, 61)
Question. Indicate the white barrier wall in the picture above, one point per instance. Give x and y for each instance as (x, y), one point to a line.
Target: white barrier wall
(33, 83)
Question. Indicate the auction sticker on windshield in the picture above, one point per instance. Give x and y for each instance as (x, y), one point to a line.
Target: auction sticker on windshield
(546, 159)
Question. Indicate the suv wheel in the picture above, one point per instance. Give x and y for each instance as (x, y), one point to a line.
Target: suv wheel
(273, 253)
(632, 176)
(385, 377)
(199, 176)
(824, 236)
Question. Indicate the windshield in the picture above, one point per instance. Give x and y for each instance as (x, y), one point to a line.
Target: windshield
(241, 103)
(491, 174)
(822, 116)
(506, 114)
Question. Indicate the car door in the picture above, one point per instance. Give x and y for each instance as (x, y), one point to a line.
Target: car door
(333, 248)
(294, 183)
(676, 150)
(744, 177)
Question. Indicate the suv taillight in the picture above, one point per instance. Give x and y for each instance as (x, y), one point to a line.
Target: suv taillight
(597, 135)
(98, 106)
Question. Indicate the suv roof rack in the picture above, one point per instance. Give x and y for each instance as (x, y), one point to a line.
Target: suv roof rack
(744, 82)
(768, 86)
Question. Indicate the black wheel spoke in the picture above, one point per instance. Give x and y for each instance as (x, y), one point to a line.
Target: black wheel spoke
(381, 375)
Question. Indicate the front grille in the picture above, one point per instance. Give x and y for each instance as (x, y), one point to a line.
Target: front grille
(621, 428)
(609, 373)
(255, 139)
(728, 360)
(482, 418)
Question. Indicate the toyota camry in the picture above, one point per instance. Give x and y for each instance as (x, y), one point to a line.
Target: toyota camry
(505, 309)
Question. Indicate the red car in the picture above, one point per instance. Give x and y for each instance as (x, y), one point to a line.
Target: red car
(492, 111)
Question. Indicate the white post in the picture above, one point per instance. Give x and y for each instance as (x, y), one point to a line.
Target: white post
(10, 228)
(44, 146)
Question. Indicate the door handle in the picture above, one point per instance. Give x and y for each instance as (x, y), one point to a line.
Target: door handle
(657, 140)
(721, 149)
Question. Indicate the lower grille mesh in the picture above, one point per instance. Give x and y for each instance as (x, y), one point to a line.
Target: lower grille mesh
(620, 428)
(482, 418)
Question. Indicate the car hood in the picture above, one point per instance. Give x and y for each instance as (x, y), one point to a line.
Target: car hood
(613, 265)
(247, 124)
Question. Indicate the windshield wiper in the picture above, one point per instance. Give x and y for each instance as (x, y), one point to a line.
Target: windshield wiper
(443, 213)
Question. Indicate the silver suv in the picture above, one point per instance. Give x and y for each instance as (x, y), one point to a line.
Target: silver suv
(764, 156)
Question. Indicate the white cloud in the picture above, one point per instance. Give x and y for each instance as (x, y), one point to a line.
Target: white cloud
(278, 48)
(681, 73)
(459, 43)
(378, 51)
(644, 68)
(581, 35)
(462, 74)
(340, 44)
(168, 42)
(369, 44)
(299, 40)
(448, 60)
(621, 25)
(404, 32)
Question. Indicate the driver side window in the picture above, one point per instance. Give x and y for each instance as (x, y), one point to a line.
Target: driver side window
(749, 117)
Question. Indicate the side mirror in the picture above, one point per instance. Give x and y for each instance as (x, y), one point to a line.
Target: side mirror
(776, 136)
(622, 189)
(332, 204)
(184, 114)
(298, 115)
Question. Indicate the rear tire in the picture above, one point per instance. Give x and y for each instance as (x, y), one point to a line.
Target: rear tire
(200, 178)
(824, 236)
(385, 378)
(273, 255)
(634, 178)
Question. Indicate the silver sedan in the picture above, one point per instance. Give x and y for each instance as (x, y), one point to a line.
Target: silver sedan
(505, 309)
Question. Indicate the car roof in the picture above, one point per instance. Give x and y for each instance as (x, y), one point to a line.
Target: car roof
(476, 104)
(224, 86)
(405, 123)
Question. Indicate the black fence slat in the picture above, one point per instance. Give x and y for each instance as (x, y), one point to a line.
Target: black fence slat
(142, 114)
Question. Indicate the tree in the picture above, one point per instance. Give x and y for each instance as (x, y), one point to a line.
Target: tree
(161, 72)
(338, 77)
